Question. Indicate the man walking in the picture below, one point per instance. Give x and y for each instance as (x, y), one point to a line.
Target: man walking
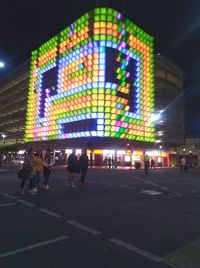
(83, 165)
(146, 164)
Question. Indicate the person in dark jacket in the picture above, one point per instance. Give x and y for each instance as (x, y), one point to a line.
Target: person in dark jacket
(83, 166)
(27, 168)
(72, 168)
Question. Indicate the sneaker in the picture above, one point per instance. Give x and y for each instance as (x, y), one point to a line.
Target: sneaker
(35, 190)
(31, 192)
(73, 186)
(47, 187)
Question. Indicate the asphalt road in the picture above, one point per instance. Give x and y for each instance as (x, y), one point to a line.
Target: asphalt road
(119, 219)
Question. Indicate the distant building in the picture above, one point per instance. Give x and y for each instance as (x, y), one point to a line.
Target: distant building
(191, 151)
(169, 98)
(13, 102)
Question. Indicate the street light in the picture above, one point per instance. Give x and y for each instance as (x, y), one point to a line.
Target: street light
(2, 64)
(3, 137)
(153, 118)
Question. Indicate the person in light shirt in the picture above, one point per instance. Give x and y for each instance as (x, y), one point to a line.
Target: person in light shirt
(183, 164)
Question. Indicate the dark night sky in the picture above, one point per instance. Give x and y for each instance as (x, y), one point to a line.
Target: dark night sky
(175, 24)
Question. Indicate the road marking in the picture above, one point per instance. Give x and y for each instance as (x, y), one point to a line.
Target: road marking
(136, 249)
(127, 187)
(84, 227)
(106, 183)
(159, 186)
(50, 213)
(9, 204)
(186, 256)
(13, 252)
(150, 192)
(10, 196)
(26, 203)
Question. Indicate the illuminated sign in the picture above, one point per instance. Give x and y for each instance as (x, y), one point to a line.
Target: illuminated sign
(93, 79)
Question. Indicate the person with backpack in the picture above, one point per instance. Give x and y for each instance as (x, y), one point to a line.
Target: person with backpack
(25, 172)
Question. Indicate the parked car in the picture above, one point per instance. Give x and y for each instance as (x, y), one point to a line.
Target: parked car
(18, 161)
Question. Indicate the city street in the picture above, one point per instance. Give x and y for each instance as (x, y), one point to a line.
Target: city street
(119, 219)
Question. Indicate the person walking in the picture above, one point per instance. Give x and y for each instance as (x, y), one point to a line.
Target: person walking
(146, 164)
(72, 168)
(83, 166)
(183, 164)
(153, 164)
(26, 172)
(37, 171)
(48, 162)
(105, 161)
(109, 163)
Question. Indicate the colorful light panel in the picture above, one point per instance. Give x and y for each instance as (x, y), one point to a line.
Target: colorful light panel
(94, 79)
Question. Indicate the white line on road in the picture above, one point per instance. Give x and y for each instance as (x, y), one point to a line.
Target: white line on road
(136, 249)
(13, 252)
(10, 196)
(159, 186)
(26, 203)
(9, 204)
(84, 227)
(50, 213)
(127, 187)
(106, 183)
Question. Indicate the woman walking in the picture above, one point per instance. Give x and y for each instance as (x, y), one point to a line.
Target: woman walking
(37, 171)
(48, 162)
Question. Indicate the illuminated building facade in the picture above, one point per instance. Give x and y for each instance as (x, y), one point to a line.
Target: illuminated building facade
(93, 85)
(94, 79)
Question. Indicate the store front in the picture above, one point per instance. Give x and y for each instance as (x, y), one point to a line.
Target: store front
(117, 158)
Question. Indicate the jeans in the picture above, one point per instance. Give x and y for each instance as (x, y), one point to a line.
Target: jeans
(46, 174)
(83, 175)
(36, 179)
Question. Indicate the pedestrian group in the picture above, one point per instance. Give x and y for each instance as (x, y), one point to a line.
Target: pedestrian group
(37, 169)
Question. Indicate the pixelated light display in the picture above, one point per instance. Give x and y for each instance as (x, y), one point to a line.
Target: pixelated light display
(94, 79)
